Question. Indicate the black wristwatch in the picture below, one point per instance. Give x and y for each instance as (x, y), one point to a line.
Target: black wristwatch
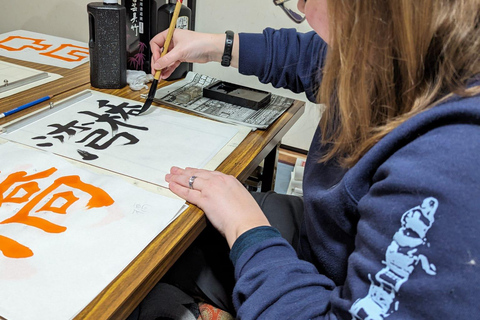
(227, 52)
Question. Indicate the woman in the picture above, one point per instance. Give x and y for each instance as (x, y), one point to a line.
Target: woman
(392, 184)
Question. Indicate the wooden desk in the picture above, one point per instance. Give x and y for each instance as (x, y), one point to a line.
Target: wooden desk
(126, 291)
(119, 299)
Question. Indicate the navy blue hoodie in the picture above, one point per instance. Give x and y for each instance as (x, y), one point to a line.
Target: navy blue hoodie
(397, 236)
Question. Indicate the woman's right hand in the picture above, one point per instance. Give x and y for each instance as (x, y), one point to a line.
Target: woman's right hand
(186, 46)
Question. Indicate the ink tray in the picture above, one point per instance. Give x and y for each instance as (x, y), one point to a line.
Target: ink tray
(237, 95)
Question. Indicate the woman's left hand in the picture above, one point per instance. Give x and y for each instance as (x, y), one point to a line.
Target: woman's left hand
(226, 202)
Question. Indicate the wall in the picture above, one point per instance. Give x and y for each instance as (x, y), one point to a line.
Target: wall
(253, 16)
(68, 18)
(63, 18)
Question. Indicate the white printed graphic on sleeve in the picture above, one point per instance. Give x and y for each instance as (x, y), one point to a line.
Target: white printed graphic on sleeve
(400, 260)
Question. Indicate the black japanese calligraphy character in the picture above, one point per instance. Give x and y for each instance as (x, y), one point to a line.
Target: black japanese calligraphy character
(112, 121)
(103, 133)
(121, 109)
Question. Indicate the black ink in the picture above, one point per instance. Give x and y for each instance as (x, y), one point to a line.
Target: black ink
(87, 155)
(69, 128)
(47, 144)
(61, 138)
(103, 133)
(120, 109)
(115, 116)
(112, 121)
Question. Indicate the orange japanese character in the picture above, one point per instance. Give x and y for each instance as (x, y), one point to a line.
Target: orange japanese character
(13, 249)
(27, 189)
(18, 43)
(68, 52)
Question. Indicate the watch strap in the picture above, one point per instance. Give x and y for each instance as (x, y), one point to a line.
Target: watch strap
(227, 52)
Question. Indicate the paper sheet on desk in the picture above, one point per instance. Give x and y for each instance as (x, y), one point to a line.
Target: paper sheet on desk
(42, 48)
(106, 131)
(15, 78)
(80, 232)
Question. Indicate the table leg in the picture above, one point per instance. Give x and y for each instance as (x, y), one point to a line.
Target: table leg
(270, 169)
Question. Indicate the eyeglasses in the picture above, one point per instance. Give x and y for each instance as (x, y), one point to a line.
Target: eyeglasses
(290, 8)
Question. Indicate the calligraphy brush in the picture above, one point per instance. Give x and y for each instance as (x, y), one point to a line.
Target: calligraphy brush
(171, 28)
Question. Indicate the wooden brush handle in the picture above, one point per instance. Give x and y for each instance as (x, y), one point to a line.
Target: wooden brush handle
(171, 29)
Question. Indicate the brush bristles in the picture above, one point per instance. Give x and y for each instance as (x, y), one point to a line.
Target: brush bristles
(151, 95)
(153, 89)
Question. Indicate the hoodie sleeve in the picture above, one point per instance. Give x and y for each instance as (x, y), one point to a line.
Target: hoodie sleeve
(294, 289)
(285, 58)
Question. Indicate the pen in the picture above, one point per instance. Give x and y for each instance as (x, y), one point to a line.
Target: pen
(25, 106)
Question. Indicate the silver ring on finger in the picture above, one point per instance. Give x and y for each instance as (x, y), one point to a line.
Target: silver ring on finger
(191, 181)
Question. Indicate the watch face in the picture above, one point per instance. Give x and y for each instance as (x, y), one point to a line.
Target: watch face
(182, 22)
(229, 37)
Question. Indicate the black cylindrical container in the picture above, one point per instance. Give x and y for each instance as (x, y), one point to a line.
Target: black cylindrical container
(165, 14)
(107, 43)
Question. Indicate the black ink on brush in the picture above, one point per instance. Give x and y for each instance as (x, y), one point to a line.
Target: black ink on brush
(153, 88)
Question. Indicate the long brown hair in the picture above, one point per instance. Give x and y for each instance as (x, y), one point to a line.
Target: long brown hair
(389, 60)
